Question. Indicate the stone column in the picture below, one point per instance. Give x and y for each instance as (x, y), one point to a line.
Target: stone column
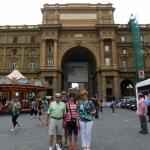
(55, 53)
(103, 88)
(99, 90)
(114, 54)
(4, 58)
(43, 54)
(55, 83)
(22, 59)
(59, 82)
(102, 53)
(116, 87)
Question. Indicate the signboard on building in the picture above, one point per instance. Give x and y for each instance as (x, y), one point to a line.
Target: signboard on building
(77, 72)
(141, 74)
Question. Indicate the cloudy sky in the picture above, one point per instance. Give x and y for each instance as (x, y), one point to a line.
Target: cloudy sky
(20, 12)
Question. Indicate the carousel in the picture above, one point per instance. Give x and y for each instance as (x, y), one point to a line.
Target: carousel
(17, 85)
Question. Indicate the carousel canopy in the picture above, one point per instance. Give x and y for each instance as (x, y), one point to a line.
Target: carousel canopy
(15, 74)
(16, 81)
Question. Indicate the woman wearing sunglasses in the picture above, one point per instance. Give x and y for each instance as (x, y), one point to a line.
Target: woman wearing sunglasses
(86, 112)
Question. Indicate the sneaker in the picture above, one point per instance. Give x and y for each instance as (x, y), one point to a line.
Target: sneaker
(50, 148)
(12, 130)
(58, 147)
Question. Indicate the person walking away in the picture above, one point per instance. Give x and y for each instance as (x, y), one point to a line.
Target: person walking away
(45, 105)
(33, 106)
(101, 106)
(86, 112)
(148, 106)
(72, 121)
(16, 110)
(112, 106)
(96, 104)
(141, 112)
(39, 109)
(56, 112)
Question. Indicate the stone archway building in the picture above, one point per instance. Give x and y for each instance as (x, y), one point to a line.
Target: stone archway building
(40, 50)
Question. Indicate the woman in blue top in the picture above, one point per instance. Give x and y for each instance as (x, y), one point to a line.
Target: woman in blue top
(16, 110)
(86, 112)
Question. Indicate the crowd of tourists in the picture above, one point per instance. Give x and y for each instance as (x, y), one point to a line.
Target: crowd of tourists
(67, 115)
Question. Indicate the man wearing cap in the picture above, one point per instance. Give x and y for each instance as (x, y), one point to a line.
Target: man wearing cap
(56, 113)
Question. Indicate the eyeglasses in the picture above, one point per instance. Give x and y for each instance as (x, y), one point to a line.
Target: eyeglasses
(83, 94)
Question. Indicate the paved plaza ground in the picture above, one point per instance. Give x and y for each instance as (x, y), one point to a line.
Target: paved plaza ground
(112, 131)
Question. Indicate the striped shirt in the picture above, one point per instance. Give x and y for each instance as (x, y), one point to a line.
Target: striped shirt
(71, 111)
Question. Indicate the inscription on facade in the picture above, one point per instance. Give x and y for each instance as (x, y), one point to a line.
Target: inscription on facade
(70, 16)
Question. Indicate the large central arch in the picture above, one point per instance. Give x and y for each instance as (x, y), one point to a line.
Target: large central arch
(79, 65)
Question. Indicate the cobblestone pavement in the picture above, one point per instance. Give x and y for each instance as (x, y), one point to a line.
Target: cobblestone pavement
(112, 131)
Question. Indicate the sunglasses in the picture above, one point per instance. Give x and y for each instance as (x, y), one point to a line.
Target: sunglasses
(58, 97)
(83, 94)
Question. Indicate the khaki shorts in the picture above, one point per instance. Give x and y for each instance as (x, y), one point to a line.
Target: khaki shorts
(55, 127)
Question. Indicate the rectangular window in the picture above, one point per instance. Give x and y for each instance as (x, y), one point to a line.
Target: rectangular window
(106, 48)
(124, 64)
(123, 38)
(13, 65)
(32, 66)
(124, 51)
(14, 39)
(33, 50)
(32, 39)
(50, 48)
(14, 51)
(107, 62)
(50, 62)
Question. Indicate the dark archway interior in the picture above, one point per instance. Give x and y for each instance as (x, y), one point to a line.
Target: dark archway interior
(127, 88)
(79, 54)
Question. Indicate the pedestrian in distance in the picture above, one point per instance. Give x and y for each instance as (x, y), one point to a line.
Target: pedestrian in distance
(33, 106)
(55, 120)
(112, 106)
(72, 122)
(39, 110)
(86, 112)
(96, 104)
(15, 112)
(101, 106)
(142, 112)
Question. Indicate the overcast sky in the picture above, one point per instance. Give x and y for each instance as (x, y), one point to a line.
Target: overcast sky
(20, 12)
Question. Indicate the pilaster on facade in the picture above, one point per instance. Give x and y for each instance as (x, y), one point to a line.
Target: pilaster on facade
(116, 87)
(103, 88)
(55, 85)
(102, 53)
(114, 53)
(55, 53)
(4, 58)
(99, 87)
(22, 58)
(42, 63)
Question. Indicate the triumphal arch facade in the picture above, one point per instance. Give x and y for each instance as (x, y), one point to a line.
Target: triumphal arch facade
(79, 33)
